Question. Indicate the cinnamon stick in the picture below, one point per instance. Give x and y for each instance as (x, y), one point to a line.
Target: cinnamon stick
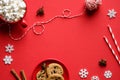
(15, 74)
(23, 75)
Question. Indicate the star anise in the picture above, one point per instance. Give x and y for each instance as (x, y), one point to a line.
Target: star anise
(40, 12)
(103, 62)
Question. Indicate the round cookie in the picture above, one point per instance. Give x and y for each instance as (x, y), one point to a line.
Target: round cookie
(54, 68)
(55, 77)
(41, 75)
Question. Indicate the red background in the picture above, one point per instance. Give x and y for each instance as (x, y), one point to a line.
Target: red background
(77, 43)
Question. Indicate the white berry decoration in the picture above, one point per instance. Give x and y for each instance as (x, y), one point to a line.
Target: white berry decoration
(9, 48)
(95, 78)
(7, 59)
(12, 10)
(108, 74)
(83, 73)
(112, 13)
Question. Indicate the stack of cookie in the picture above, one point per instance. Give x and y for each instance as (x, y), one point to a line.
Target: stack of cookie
(53, 71)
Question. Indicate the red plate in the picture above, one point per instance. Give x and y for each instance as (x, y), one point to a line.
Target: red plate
(38, 68)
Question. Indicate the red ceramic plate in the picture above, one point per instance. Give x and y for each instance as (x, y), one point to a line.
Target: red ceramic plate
(38, 68)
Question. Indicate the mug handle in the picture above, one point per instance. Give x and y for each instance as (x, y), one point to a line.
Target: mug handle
(24, 24)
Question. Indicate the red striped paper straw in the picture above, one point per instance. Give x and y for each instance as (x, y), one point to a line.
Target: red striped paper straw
(110, 47)
(113, 37)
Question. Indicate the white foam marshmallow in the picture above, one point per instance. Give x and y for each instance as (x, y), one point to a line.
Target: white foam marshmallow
(12, 10)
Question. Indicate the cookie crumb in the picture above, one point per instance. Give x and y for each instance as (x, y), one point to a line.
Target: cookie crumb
(43, 66)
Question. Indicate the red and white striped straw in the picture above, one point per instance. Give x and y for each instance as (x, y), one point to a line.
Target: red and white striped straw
(113, 37)
(110, 47)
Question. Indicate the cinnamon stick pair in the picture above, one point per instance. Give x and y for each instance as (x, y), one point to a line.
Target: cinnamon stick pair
(23, 77)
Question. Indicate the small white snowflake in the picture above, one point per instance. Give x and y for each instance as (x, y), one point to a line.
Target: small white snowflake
(7, 59)
(9, 48)
(112, 13)
(83, 73)
(108, 74)
(94, 78)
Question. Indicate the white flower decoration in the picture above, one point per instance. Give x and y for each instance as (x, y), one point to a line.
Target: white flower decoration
(83, 73)
(108, 74)
(94, 78)
(8, 59)
(9, 48)
(112, 13)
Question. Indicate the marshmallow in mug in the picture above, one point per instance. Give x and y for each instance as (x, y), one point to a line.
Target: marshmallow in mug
(12, 11)
(92, 5)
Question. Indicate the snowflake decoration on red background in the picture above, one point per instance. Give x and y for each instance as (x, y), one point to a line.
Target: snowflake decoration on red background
(9, 48)
(95, 78)
(112, 13)
(83, 73)
(7, 59)
(108, 74)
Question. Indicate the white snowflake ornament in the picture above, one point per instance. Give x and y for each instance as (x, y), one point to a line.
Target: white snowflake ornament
(83, 73)
(7, 59)
(108, 74)
(112, 13)
(95, 78)
(9, 48)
